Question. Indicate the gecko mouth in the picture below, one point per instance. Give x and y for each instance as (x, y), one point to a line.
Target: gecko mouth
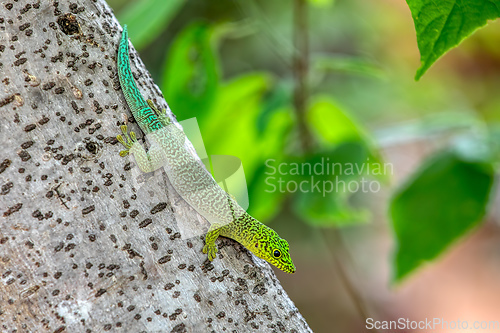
(289, 270)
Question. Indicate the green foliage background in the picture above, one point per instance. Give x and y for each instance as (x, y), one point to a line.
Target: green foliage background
(228, 63)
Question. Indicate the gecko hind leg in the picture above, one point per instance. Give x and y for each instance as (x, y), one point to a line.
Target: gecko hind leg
(162, 115)
(126, 140)
(211, 237)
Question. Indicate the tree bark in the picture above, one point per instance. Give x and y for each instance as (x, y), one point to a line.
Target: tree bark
(83, 246)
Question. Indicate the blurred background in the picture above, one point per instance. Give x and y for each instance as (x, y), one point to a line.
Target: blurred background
(301, 81)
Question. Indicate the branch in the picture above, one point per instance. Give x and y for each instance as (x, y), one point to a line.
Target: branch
(84, 245)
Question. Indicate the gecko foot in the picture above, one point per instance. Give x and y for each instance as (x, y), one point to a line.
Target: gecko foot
(155, 109)
(211, 249)
(126, 140)
(162, 115)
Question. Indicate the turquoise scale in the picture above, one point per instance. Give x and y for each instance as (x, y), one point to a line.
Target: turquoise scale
(145, 116)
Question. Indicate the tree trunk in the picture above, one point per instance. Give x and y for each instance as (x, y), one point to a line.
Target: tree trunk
(83, 246)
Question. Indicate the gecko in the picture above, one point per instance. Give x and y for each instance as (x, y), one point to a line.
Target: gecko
(189, 178)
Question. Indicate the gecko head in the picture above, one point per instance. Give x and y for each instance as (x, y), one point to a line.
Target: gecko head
(274, 249)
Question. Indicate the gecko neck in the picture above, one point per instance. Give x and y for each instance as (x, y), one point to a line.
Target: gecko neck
(244, 229)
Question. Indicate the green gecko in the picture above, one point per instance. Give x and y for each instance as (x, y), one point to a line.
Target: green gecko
(189, 178)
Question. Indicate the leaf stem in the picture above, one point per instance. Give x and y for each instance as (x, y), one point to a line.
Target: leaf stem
(300, 71)
(300, 101)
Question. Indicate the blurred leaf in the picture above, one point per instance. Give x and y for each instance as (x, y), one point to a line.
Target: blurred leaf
(331, 211)
(334, 177)
(228, 172)
(230, 128)
(147, 19)
(272, 139)
(265, 200)
(331, 123)
(235, 30)
(348, 65)
(446, 198)
(442, 25)
(191, 74)
(322, 3)
(278, 98)
(333, 126)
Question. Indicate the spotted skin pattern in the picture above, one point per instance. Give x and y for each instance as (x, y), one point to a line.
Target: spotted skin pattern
(189, 178)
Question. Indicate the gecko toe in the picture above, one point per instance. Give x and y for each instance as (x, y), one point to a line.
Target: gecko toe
(127, 140)
(124, 129)
(212, 253)
(211, 250)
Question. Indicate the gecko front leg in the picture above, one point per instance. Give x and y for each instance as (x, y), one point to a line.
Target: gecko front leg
(146, 161)
(126, 140)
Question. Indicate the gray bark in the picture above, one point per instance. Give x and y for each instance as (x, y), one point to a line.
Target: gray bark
(83, 247)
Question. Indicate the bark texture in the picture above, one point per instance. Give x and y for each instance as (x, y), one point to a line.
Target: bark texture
(83, 246)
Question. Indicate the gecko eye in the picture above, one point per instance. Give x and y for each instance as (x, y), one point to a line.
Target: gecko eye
(277, 253)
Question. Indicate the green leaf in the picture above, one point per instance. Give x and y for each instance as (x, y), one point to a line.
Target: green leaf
(442, 25)
(321, 3)
(234, 126)
(146, 19)
(191, 72)
(265, 201)
(347, 65)
(447, 197)
(333, 178)
(343, 142)
(332, 211)
(271, 141)
(333, 126)
(278, 98)
(230, 126)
